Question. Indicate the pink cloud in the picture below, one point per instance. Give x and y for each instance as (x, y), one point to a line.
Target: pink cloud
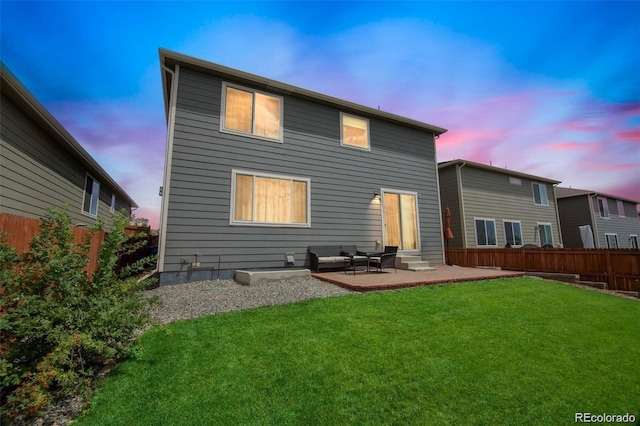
(569, 146)
(628, 135)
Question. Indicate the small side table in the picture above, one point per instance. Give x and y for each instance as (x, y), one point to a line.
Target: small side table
(356, 263)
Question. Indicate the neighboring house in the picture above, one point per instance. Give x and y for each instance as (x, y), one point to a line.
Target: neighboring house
(613, 220)
(258, 170)
(42, 165)
(493, 207)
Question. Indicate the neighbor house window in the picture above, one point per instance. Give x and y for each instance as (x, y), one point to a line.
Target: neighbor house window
(264, 199)
(486, 232)
(612, 240)
(91, 196)
(603, 207)
(515, 181)
(633, 241)
(112, 207)
(620, 208)
(354, 131)
(545, 234)
(513, 233)
(252, 113)
(540, 194)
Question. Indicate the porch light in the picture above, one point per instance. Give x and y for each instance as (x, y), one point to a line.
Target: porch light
(376, 195)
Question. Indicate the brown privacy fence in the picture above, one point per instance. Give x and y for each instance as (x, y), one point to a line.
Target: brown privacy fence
(619, 268)
(20, 231)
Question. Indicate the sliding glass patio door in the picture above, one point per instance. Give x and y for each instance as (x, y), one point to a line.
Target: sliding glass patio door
(400, 220)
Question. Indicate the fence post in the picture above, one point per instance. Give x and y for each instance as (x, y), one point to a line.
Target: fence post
(523, 254)
(611, 281)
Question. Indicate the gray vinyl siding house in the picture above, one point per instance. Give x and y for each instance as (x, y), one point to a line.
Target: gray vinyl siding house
(613, 220)
(491, 207)
(207, 231)
(43, 166)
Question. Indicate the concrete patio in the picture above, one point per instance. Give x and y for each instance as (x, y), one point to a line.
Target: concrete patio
(391, 280)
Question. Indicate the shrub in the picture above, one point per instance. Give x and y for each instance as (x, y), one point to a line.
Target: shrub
(59, 326)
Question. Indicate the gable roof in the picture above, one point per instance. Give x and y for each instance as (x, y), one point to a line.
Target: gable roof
(507, 172)
(574, 192)
(170, 59)
(19, 94)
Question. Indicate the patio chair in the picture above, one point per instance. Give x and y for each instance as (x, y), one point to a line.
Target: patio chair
(384, 260)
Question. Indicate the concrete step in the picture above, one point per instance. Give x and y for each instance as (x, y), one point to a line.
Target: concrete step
(413, 263)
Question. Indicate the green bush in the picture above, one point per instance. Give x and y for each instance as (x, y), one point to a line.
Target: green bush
(59, 326)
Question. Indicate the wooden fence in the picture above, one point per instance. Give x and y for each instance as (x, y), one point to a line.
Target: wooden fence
(619, 268)
(20, 231)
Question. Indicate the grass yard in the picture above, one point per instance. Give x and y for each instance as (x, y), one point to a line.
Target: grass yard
(513, 351)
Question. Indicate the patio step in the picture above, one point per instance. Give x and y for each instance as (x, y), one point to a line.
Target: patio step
(413, 263)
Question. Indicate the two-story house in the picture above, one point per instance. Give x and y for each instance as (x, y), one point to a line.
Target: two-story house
(42, 165)
(258, 170)
(612, 221)
(494, 207)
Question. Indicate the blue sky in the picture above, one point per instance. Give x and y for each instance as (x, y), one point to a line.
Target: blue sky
(547, 88)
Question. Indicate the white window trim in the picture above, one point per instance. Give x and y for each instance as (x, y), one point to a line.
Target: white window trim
(540, 224)
(252, 134)
(620, 204)
(475, 231)
(84, 194)
(546, 193)
(633, 237)
(253, 173)
(346, 145)
(504, 221)
(605, 203)
(606, 239)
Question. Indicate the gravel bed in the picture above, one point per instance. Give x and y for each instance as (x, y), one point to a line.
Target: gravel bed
(202, 298)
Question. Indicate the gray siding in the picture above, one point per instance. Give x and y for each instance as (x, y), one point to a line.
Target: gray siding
(490, 195)
(574, 212)
(343, 181)
(622, 226)
(450, 197)
(37, 173)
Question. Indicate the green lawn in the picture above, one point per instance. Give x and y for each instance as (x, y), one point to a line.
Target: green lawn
(516, 351)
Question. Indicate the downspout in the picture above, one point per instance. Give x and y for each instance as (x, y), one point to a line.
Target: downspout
(463, 216)
(164, 209)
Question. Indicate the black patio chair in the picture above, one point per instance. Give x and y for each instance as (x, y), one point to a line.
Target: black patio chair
(384, 260)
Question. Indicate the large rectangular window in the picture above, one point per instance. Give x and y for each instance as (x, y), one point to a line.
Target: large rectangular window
(91, 196)
(540, 194)
(486, 232)
(264, 199)
(354, 131)
(251, 112)
(513, 233)
(545, 234)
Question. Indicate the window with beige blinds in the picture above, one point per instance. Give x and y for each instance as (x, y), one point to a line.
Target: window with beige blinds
(270, 199)
(251, 112)
(354, 131)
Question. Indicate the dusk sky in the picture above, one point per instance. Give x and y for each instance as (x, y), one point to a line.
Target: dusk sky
(546, 88)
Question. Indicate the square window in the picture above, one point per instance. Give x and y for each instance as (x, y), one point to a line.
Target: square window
(270, 200)
(486, 232)
(91, 196)
(252, 113)
(540, 194)
(354, 132)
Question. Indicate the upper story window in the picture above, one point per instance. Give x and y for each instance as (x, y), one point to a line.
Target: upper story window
(603, 207)
(91, 196)
(264, 199)
(515, 181)
(620, 208)
(112, 207)
(354, 132)
(251, 112)
(540, 194)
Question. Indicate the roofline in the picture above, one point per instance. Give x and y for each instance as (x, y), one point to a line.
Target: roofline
(15, 90)
(591, 193)
(169, 58)
(494, 169)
